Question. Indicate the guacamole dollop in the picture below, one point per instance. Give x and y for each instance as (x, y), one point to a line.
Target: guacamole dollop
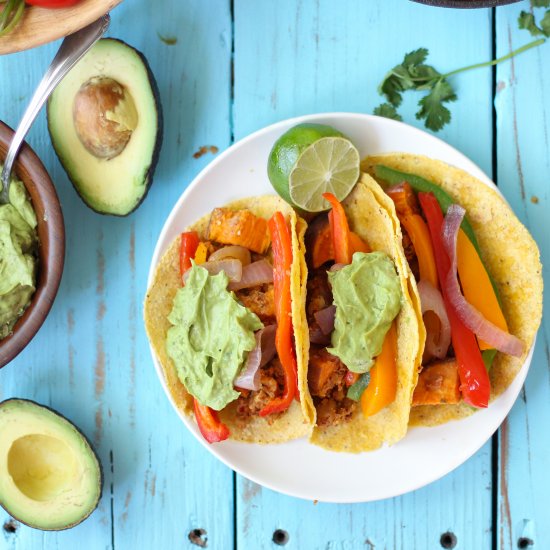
(367, 295)
(211, 336)
(18, 243)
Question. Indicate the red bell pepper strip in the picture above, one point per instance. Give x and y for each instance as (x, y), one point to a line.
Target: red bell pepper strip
(188, 247)
(210, 426)
(475, 385)
(282, 263)
(340, 231)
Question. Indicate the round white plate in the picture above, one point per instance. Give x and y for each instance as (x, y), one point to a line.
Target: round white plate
(298, 468)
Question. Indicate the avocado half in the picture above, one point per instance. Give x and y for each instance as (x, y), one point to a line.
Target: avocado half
(50, 477)
(105, 123)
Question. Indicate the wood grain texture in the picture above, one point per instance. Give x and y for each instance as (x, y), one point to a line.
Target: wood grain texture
(39, 25)
(91, 360)
(523, 152)
(297, 57)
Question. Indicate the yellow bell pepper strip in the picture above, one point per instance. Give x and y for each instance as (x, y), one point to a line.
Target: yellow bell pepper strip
(476, 285)
(383, 377)
(420, 236)
(209, 423)
(210, 426)
(201, 254)
(475, 385)
(282, 263)
(340, 230)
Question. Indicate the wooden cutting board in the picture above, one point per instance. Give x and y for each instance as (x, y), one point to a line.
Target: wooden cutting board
(39, 25)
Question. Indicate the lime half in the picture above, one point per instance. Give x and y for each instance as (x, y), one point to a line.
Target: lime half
(329, 165)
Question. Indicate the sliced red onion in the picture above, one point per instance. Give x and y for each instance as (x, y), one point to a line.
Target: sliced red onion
(325, 319)
(263, 353)
(469, 315)
(257, 273)
(232, 268)
(437, 344)
(336, 267)
(316, 336)
(237, 252)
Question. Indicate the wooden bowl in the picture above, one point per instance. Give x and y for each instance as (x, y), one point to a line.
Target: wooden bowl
(51, 251)
(39, 25)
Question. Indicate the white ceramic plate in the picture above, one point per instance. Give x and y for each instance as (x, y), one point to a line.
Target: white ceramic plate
(298, 468)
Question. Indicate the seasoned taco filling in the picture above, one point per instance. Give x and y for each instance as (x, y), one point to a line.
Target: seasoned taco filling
(353, 296)
(460, 303)
(231, 333)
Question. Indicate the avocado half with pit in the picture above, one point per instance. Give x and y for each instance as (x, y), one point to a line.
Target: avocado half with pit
(50, 477)
(105, 123)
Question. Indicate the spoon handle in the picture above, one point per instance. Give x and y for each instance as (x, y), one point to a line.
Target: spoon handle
(72, 49)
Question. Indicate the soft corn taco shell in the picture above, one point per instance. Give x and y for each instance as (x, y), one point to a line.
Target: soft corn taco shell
(296, 421)
(372, 222)
(507, 249)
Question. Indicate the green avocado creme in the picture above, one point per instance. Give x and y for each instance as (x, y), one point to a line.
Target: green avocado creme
(210, 337)
(367, 295)
(18, 246)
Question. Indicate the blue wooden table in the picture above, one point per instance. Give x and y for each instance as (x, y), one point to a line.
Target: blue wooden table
(229, 68)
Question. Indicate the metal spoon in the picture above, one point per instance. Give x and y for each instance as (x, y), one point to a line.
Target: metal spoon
(72, 49)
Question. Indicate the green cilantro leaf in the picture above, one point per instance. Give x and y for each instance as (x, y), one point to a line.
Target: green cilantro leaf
(540, 3)
(436, 115)
(416, 57)
(527, 21)
(387, 110)
(545, 23)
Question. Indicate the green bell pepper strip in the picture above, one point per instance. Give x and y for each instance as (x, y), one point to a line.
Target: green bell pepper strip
(355, 391)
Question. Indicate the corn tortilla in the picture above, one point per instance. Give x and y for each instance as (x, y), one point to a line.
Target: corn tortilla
(507, 249)
(296, 421)
(372, 222)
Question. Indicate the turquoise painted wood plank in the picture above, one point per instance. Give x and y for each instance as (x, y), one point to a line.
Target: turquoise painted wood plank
(523, 123)
(91, 359)
(293, 58)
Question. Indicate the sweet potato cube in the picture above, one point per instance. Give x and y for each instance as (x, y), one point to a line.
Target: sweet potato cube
(239, 227)
(438, 384)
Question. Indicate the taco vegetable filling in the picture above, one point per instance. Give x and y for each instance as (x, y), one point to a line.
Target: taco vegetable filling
(461, 309)
(231, 334)
(353, 297)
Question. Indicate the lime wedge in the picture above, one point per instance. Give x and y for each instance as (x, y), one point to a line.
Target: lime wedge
(330, 164)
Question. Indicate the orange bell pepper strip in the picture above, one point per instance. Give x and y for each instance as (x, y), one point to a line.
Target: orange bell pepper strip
(210, 426)
(282, 263)
(476, 285)
(357, 244)
(340, 230)
(209, 423)
(404, 199)
(383, 377)
(420, 236)
(322, 248)
(474, 380)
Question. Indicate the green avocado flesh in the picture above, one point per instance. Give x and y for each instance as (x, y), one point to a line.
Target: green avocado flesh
(18, 245)
(367, 295)
(210, 337)
(118, 183)
(50, 477)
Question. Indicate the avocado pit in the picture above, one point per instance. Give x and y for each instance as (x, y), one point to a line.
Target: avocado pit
(104, 116)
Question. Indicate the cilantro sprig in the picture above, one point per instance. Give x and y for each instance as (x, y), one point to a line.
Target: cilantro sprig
(414, 74)
(526, 20)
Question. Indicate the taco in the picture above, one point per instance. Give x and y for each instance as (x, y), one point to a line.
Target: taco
(359, 341)
(220, 316)
(479, 282)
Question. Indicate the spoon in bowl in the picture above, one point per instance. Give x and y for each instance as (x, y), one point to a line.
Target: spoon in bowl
(72, 49)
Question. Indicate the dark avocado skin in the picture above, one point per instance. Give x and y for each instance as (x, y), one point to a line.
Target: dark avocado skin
(92, 450)
(148, 180)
